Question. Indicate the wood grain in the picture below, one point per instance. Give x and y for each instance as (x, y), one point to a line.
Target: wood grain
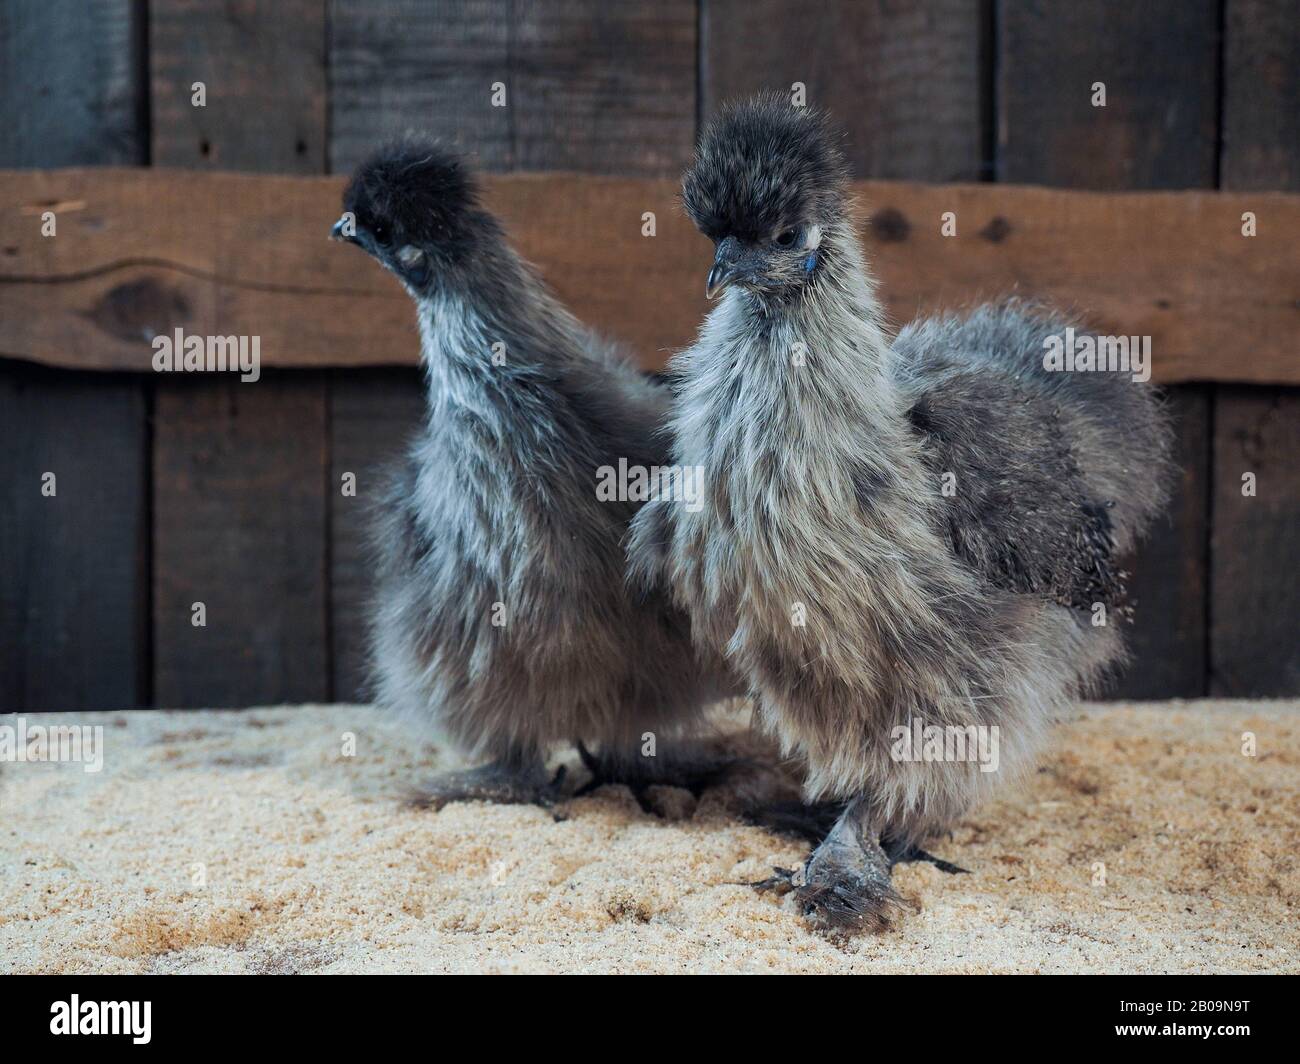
(1158, 61)
(1261, 95)
(1255, 591)
(239, 525)
(240, 515)
(427, 65)
(604, 88)
(245, 254)
(70, 87)
(262, 63)
(1156, 130)
(588, 85)
(74, 573)
(903, 80)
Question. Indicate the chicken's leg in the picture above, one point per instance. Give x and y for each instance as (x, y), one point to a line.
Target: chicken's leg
(845, 882)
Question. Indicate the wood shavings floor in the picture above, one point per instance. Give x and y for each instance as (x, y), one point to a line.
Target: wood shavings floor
(244, 842)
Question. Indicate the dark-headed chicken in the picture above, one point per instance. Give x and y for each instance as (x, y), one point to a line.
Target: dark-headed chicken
(502, 614)
(907, 545)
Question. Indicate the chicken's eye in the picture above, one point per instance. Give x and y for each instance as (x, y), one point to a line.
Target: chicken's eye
(787, 238)
(380, 232)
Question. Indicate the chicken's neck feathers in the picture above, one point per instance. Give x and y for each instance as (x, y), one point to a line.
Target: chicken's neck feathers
(509, 369)
(493, 334)
(816, 369)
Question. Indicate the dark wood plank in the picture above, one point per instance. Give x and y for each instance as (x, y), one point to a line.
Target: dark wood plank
(239, 525)
(240, 515)
(248, 254)
(1167, 590)
(1158, 60)
(73, 593)
(1255, 600)
(70, 85)
(1255, 604)
(262, 63)
(1158, 130)
(904, 80)
(1261, 95)
(588, 85)
(604, 88)
(400, 65)
(73, 567)
(373, 415)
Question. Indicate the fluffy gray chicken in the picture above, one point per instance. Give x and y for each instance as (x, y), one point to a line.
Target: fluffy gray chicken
(891, 534)
(502, 613)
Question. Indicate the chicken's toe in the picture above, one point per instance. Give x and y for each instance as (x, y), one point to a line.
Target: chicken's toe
(849, 895)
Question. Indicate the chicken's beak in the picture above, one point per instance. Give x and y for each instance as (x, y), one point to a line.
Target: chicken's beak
(725, 268)
(719, 277)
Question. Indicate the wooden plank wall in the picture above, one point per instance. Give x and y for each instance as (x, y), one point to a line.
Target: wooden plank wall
(147, 258)
(1255, 540)
(907, 80)
(173, 491)
(239, 507)
(74, 570)
(1157, 62)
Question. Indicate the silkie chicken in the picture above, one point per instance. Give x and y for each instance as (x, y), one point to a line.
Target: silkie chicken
(923, 532)
(502, 615)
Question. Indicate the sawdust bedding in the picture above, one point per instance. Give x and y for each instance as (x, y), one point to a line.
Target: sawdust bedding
(257, 841)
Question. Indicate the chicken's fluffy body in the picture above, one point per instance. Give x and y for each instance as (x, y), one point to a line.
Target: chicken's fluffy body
(827, 563)
(501, 613)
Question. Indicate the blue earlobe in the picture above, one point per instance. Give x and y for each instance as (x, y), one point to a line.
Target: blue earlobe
(810, 263)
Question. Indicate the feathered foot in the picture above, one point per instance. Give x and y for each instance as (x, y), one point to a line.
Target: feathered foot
(845, 884)
(694, 771)
(506, 782)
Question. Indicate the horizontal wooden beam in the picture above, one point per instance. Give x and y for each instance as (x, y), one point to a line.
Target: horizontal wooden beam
(138, 252)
